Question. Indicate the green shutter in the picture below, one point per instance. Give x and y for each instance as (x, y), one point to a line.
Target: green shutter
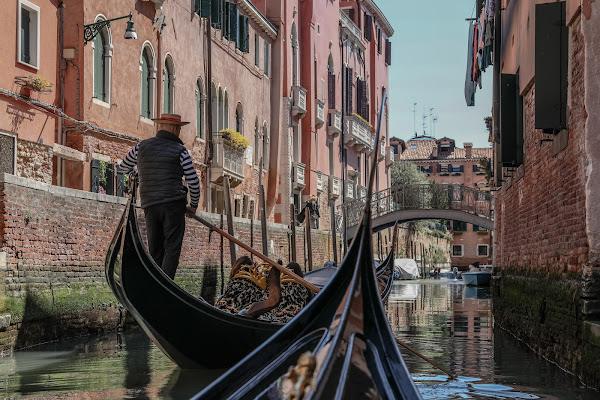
(225, 19)
(197, 6)
(215, 13)
(145, 86)
(232, 21)
(99, 83)
(246, 37)
(25, 39)
(205, 8)
(239, 41)
(95, 176)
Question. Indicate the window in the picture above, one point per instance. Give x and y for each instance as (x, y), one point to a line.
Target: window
(29, 34)
(216, 11)
(388, 52)
(330, 82)
(200, 109)
(102, 177)
(378, 40)
(348, 82)
(242, 39)
(459, 226)
(477, 228)
(368, 27)
(457, 250)
(483, 250)
(169, 83)
(148, 70)
(265, 139)
(8, 153)
(239, 118)
(102, 57)
(256, 142)
(362, 99)
(256, 49)
(267, 49)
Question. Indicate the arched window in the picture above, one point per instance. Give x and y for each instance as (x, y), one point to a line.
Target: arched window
(226, 110)
(102, 62)
(265, 139)
(239, 118)
(200, 97)
(148, 69)
(215, 107)
(169, 84)
(256, 142)
(330, 82)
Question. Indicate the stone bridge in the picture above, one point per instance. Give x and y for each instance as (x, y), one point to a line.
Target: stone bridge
(411, 202)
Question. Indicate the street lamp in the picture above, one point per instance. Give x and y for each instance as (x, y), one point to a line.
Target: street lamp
(91, 30)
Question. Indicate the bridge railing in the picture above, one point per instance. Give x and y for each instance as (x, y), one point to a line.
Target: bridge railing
(422, 197)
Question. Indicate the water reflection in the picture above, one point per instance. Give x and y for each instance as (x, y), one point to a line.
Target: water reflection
(453, 325)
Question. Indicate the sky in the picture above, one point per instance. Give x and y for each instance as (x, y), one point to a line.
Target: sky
(429, 56)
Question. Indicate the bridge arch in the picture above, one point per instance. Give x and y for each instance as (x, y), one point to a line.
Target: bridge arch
(412, 202)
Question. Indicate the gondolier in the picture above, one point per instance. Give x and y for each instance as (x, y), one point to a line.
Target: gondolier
(162, 162)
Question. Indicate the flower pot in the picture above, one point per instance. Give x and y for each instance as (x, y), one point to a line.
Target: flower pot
(26, 91)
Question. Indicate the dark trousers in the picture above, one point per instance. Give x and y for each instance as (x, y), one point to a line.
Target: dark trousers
(165, 226)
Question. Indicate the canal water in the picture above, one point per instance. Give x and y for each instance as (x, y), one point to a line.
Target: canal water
(442, 319)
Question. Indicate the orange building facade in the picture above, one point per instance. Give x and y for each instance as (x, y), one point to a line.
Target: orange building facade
(445, 163)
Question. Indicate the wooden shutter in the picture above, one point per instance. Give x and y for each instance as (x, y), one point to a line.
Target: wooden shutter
(215, 13)
(239, 41)
(349, 79)
(462, 168)
(351, 14)
(95, 176)
(225, 19)
(551, 63)
(197, 6)
(99, 67)
(368, 27)
(120, 182)
(246, 36)
(233, 21)
(439, 168)
(388, 52)
(205, 8)
(511, 121)
(331, 90)
(110, 179)
(475, 168)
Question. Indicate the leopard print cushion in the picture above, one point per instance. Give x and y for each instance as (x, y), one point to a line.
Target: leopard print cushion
(293, 298)
(240, 294)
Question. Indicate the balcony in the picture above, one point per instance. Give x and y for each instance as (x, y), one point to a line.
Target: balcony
(351, 31)
(389, 156)
(227, 161)
(299, 175)
(298, 101)
(319, 181)
(358, 134)
(381, 154)
(334, 123)
(320, 114)
(334, 187)
(350, 189)
(361, 192)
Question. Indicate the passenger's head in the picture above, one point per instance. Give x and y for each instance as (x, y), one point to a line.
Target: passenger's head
(243, 260)
(295, 268)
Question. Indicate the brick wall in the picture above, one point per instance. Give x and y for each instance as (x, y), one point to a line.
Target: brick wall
(541, 244)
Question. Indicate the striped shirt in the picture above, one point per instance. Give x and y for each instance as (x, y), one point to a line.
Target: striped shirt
(189, 172)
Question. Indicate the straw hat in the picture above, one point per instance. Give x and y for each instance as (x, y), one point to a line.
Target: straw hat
(170, 119)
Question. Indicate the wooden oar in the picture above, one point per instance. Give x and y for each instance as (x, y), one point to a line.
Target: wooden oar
(407, 347)
(257, 253)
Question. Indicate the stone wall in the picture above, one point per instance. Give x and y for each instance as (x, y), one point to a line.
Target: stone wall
(541, 241)
(34, 161)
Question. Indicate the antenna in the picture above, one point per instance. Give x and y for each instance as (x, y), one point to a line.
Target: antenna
(415, 118)
(430, 121)
(435, 118)
(424, 122)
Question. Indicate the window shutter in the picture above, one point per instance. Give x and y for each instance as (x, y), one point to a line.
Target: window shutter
(388, 52)
(25, 39)
(239, 41)
(331, 90)
(511, 121)
(95, 178)
(351, 14)
(368, 27)
(349, 75)
(475, 168)
(551, 65)
(232, 21)
(197, 6)
(110, 179)
(205, 8)
(439, 168)
(246, 36)
(225, 19)
(462, 168)
(145, 86)
(215, 13)
(120, 183)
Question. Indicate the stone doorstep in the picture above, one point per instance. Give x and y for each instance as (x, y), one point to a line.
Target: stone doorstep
(591, 332)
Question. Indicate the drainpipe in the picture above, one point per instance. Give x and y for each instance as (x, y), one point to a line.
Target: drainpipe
(208, 153)
(343, 150)
(61, 93)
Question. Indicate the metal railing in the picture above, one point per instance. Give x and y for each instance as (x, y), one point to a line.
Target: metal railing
(433, 196)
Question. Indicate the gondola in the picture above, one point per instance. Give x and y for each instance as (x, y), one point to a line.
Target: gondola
(337, 347)
(190, 331)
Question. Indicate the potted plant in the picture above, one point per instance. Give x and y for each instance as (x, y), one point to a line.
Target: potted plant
(34, 83)
(235, 139)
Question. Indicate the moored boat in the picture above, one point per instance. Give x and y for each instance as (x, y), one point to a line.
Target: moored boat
(477, 278)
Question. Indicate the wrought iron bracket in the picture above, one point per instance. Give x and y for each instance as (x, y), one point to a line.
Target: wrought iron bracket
(91, 30)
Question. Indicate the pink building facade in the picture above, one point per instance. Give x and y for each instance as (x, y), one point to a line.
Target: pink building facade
(300, 81)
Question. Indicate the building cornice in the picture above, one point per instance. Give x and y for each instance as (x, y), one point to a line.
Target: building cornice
(258, 18)
(379, 16)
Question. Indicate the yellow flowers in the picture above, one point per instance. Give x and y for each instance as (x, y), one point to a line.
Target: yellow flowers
(235, 139)
(38, 83)
(362, 119)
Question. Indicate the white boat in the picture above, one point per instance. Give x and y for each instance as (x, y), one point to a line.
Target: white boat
(478, 278)
(406, 268)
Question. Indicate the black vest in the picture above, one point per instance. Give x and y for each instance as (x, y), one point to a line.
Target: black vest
(160, 171)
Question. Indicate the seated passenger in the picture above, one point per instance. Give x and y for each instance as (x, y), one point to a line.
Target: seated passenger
(247, 285)
(294, 296)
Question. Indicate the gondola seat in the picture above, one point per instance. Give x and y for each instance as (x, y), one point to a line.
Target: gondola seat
(294, 297)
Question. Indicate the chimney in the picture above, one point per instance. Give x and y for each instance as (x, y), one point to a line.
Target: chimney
(468, 150)
(434, 152)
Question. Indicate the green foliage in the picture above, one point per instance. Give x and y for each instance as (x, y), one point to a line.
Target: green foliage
(405, 172)
(102, 178)
(439, 196)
